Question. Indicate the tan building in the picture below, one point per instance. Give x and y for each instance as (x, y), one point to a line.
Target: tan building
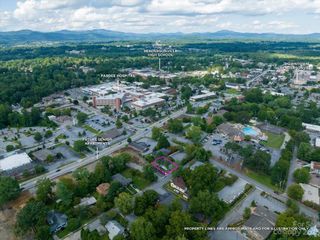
(113, 100)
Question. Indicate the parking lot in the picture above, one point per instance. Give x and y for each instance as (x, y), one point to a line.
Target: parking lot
(100, 123)
(215, 148)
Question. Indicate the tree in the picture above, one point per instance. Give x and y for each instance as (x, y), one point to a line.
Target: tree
(162, 142)
(9, 189)
(175, 126)
(194, 133)
(156, 133)
(118, 123)
(302, 175)
(143, 202)
(279, 171)
(304, 151)
(186, 92)
(177, 222)
(48, 134)
(246, 213)
(81, 117)
(65, 191)
(259, 161)
(208, 204)
(33, 215)
(202, 178)
(202, 155)
(80, 146)
(148, 173)
(142, 229)
(44, 190)
(254, 95)
(124, 202)
(295, 191)
(43, 233)
(37, 136)
(9, 148)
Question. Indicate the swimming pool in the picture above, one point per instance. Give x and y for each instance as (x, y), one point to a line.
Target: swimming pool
(249, 131)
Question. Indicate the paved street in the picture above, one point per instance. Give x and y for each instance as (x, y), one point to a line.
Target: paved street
(88, 160)
(283, 197)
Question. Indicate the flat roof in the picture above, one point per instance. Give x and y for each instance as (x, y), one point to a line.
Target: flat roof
(311, 193)
(147, 102)
(311, 127)
(14, 161)
(205, 95)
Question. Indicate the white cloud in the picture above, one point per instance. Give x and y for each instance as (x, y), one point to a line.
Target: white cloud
(158, 15)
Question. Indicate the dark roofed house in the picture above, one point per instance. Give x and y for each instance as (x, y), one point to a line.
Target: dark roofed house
(260, 224)
(179, 185)
(121, 179)
(163, 151)
(111, 134)
(139, 146)
(57, 221)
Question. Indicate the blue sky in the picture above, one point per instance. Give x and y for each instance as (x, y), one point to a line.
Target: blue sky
(8, 5)
(280, 16)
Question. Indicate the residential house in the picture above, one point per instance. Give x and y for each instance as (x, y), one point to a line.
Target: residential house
(57, 221)
(179, 185)
(114, 228)
(103, 189)
(121, 179)
(315, 168)
(259, 225)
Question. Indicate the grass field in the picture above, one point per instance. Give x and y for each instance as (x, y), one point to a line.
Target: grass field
(232, 91)
(274, 140)
(90, 129)
(263, 179)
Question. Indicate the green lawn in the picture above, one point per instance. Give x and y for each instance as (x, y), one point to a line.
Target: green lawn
(274, 140)
(232, 91)
(263, 179)
(90, 129)
(137, 178)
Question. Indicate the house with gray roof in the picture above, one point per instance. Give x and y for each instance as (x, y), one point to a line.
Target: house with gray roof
(260, 224)
(57, 221)
(114, 228)
(121, 179)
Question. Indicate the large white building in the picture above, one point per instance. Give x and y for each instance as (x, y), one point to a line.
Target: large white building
(311, 127)
(203, 96)
(145, 103)
(13, 161)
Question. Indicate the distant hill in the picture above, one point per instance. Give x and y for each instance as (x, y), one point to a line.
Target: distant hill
(100, 35)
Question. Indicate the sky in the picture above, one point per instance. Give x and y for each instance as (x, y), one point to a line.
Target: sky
(145, 16)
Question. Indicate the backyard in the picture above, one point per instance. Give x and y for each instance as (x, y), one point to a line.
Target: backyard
(137, 178)
(274, 140)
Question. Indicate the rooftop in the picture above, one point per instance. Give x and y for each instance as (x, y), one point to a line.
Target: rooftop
(114, 228)
(14, 160)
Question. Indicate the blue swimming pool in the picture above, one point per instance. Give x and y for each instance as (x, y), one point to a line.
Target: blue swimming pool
(249, 131)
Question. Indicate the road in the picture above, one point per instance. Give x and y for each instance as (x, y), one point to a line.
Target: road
(27, 185)
(257, 77)
(283, 197)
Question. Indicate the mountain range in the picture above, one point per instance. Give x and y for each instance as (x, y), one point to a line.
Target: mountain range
(100, 35)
